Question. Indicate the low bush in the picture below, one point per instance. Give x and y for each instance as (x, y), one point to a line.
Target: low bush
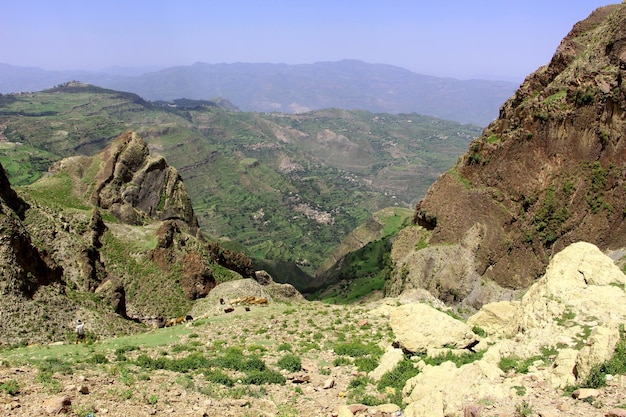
(290, 363)
(267, 376)
(397, 378)
(218, 377)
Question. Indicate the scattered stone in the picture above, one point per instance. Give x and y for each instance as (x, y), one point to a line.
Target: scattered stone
(362, 323)
(344, 411)
(299, 378)
(497, 318)
(229, 309)
(547, 413)
(152, 411)
(584, 393)
(240, 402)
(472, 410)
(386, 409)
(563, 407)
(83, 389)
(329, 383)
(355, 408)
(57, 405)
(616, 412)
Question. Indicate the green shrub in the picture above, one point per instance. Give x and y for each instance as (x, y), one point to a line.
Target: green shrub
(290, 363)
(614, 366)
(98, 358)
(523, 409)
(358, 382)
(342, 360)
(266, 376)
(396, 379)
(477, 330)
(284, 347)
(508, 363)
(366, 363)
(218, 377)
(457, 359)
(11, 387)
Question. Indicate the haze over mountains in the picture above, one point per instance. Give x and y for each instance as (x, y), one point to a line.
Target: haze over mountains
(346, 84)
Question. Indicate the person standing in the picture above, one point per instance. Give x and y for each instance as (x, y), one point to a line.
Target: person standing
(80, 331)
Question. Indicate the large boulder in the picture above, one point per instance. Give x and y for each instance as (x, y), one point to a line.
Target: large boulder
(443, 390)
(419, 327)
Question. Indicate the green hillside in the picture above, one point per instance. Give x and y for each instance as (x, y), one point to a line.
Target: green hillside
(284, 188)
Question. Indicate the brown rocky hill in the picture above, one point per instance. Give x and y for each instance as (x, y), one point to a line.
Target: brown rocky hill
(548, 172)
(110, 239)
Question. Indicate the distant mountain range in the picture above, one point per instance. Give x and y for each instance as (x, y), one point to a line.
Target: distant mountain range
(347, 84)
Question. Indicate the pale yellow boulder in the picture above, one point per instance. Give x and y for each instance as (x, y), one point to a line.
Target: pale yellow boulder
(419, 327)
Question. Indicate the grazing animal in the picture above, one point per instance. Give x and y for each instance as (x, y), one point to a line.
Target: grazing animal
(176, 320)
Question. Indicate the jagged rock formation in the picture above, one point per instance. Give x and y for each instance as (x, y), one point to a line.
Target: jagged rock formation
(172, 250)
(548, 172)
(133, 185)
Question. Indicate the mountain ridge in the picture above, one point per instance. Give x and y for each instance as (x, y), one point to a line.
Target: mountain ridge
(548, 172)
(348, 84)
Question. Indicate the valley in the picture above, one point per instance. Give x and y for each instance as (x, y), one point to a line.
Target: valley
(285, 189)
(448, 270)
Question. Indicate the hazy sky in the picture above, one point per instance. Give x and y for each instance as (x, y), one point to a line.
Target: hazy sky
(457, 38)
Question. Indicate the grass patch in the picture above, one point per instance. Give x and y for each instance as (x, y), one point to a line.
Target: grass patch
(396, 379)
(356, 349)
(459, 359)
(10, 387)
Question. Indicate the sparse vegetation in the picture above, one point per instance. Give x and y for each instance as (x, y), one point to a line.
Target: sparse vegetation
(10, 387)
(523, 409)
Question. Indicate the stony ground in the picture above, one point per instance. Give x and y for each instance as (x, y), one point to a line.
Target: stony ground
(105, 378)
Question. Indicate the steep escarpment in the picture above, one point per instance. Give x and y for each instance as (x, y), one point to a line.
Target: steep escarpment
(548, 172)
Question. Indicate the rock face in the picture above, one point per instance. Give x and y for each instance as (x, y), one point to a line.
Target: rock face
(548, 172)
(172, 250)
(134, 185)
(24, 266)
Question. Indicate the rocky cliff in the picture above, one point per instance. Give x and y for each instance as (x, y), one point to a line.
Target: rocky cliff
(105, 239)
(133, 185)
(548, 172)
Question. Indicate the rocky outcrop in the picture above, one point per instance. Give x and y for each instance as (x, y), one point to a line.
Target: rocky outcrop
(62, 261)
(24, 267)
(173, 249)
(548, 172)
(278, 291)
(581, 289)
(565, 325)
(134, 185)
